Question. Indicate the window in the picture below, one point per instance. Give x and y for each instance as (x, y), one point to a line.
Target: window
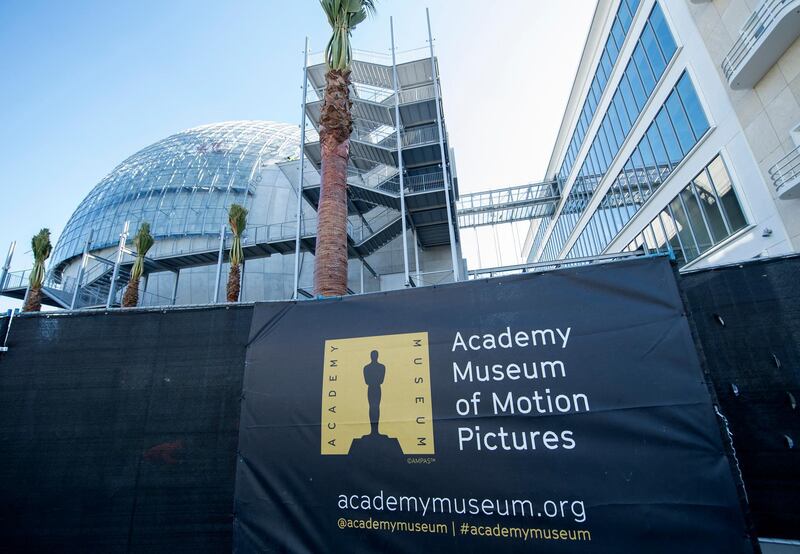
(662, 32)
(657, 61)
(674, 153)
(707, 197)
(730, 203)
(680, 122)
(691, 104)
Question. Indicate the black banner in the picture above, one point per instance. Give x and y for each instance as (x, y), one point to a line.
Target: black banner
(562, 412)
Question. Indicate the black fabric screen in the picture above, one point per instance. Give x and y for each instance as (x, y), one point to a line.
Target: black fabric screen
(748, 320)
(118, 432)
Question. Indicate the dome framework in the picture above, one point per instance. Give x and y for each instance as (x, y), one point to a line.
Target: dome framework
(181, 185)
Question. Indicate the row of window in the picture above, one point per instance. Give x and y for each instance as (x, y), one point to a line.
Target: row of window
(619, 30)
(674, 131)
(654, 49)
(703, 214)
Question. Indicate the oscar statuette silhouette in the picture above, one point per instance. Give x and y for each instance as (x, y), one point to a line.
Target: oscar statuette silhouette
(374, 443)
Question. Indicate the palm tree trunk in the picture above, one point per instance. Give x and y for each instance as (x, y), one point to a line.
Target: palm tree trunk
(34, 301)
(234, 283)
(330, 260)
(131, 297)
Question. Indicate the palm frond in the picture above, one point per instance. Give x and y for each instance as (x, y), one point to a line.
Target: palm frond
(237, 219)
(142, 242)
(343, 16)
(41, 247)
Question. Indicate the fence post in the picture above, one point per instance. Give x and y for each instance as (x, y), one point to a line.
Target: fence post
(219, 263)
(7, 265)
(123, 237)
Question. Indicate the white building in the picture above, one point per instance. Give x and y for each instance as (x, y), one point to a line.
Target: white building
(681, 134)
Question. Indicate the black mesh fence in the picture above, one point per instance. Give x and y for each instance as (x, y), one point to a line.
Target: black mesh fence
(748, 320)
(118, 432)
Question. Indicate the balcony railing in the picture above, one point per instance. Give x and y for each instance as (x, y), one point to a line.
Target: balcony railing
(417, 94)
(385, 136)
(433, 180)
(762, 24)
(381, 58)
(380, 95)
(785, 174)
(417, 136)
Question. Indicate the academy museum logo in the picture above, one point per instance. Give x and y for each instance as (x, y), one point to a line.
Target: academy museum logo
(376, 395)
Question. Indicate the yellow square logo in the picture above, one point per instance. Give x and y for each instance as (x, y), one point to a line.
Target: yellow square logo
(376, 395)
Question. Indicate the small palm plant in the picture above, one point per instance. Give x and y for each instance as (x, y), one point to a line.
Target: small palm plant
(336, 124)
(142, 242)
(237, 219)
(41, 247)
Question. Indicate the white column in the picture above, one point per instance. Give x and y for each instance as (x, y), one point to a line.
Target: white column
(398, 134)
(302, 174)
(450, 228)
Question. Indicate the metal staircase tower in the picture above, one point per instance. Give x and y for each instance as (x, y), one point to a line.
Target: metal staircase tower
(400, 172)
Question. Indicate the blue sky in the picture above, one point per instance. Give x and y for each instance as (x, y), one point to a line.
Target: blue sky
(85, 84)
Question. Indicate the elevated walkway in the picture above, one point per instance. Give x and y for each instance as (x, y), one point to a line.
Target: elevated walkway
(507, 205)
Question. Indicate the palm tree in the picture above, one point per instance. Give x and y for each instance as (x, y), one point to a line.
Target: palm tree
(142, 242)
(336, 123)
(237, 219)
(41, 247)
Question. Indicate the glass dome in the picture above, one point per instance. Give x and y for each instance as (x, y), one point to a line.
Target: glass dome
(181, 185)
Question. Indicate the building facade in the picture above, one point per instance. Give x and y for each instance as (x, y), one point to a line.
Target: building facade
(680, 135)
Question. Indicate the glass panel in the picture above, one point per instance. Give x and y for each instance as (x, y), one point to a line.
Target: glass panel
(680, 122)
(632, 5)
(615, 127)
(601, 76)
(672, 235)
(647, 158)
(598, 174)
(638, 164)
(701, 235)
(662, 32)
(639, 93)
(591, 100)
(649, 240)
(657, 61)
(607, 64)
(628, 101)
(727, 196)
(598, 90)
(659, 151)
(691, 103)
(648, 80)
(625, 16)
(617, 31)
(611, 138)
(619, 106)
(674, 152)
(708, 201)
(658, 235)
(605, 149)
(612, 46)
(684, 232)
